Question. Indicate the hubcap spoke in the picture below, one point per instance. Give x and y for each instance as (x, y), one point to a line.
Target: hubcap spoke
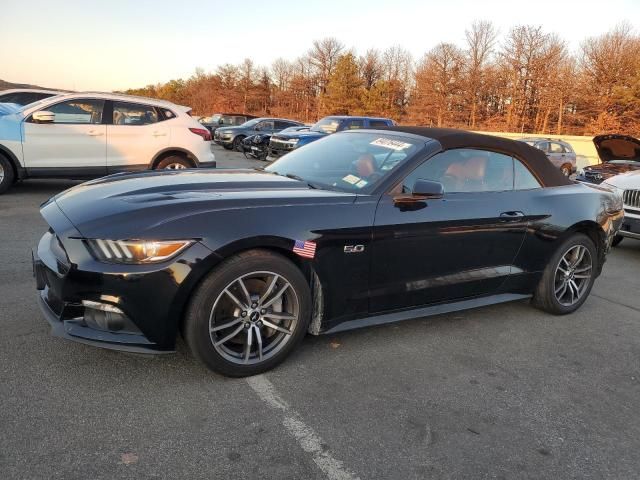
(276, 296)
(259, 340)
(279, 316)
(276, 327)
(230, 336)
(226, 325)
(247, 347)
(245, 291)
(235, 299)
(270, 288)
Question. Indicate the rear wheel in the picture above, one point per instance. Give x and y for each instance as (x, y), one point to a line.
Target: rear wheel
(569, 276)
(248, 314)
(6, 174)
(173, 162)
(566, 170)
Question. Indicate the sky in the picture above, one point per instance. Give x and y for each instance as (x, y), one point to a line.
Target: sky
(118, 44)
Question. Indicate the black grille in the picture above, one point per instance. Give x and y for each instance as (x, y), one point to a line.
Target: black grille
(631, 198)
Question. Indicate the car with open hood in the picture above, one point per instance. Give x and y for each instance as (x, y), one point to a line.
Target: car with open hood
(363, 227)
(618, 154)
(627, 185)
(284, 142)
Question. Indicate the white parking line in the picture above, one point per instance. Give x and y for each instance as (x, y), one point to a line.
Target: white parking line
(307, 439)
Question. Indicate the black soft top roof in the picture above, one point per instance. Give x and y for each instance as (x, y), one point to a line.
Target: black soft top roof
(536, 160)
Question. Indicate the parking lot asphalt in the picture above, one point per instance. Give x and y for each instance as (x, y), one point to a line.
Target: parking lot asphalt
(501, 392)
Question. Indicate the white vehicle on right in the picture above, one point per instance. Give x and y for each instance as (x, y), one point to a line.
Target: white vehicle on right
(627, 185)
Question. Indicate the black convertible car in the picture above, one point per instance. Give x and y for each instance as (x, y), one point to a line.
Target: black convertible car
(360, 228)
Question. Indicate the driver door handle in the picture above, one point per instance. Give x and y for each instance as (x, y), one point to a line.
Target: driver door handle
(512, 216)
(94, 133)
(159, 134)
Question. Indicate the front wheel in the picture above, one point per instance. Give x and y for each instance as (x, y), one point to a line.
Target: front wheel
(237, 143)
(248, 314)
(569, 276)
(566, 170)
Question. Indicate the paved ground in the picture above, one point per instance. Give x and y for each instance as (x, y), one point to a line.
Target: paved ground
(500, 392)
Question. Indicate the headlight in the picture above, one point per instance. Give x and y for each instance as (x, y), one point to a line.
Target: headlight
(580, 172)
(293, 141)
(135, 251)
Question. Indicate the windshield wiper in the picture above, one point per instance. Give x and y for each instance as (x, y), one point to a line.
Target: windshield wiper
(293, 176)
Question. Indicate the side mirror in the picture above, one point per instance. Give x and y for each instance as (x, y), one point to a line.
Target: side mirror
(43, 116)
(427, 189)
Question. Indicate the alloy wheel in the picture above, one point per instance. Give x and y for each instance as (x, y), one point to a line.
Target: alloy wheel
(175, 166)
(254, 317)
(573, 275)
(1, 173)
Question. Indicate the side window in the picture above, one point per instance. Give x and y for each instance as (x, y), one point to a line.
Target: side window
(78, 111)
(556, 148)
(168, 114)
(466, 170)
(378, 123)
(280, 125)
(125, 113)
(352, 124)
(265, 125)
(544, 146)
(523, 178)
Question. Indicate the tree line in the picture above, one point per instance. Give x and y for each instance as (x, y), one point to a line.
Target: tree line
(524, 81)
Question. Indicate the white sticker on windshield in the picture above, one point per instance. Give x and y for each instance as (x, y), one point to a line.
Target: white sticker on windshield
(392, 144)
(361, 183)
(352, 179)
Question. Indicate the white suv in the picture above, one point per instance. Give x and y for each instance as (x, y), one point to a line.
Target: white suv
(85, 135)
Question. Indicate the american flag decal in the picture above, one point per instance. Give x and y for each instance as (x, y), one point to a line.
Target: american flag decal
(305, 249)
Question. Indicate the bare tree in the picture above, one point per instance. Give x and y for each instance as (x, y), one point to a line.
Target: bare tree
(481, 38)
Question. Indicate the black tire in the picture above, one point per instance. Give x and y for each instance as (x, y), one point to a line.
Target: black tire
(174, 162)
(237, 143)
(544, 297)
(7, 176)
(616, 240)
(196, 327)
(227, 147)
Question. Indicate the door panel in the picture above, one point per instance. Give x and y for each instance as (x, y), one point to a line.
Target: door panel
(444, 249)
(74, 142)
(65, 146)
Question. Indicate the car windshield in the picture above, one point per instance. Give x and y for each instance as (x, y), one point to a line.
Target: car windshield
(326, 125)
(348, 162)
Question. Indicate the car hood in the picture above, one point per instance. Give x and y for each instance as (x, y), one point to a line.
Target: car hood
(299, 135)
(626, 181)
(617, 147)
(154, 204)
(231, 129)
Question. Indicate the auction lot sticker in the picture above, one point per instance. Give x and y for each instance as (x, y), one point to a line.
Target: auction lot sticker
(392, 144)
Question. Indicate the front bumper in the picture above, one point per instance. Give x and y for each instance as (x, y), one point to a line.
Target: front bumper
(151, 298)
(630, 228)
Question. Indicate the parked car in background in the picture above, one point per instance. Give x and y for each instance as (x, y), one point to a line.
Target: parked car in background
(559, 152)
(232, 137)
(284, 142)
(25, 96)
(225, 120)
(257, 146)
(627, 185)
(360, 228)
(618, 154)
(83, 135)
